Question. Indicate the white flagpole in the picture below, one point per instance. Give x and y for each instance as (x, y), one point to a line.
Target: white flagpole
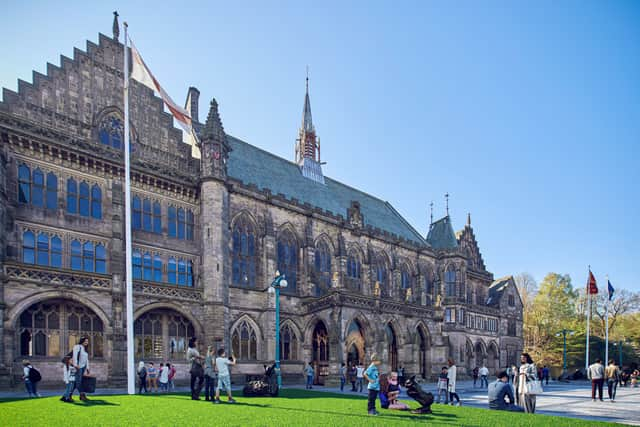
(606, 327)
(131, 385)
(586, 360)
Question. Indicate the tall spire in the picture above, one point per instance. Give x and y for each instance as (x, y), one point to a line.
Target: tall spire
(116, 26)
(446, 199)
(308, 144)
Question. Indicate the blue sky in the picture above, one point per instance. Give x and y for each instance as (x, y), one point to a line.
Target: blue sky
(528, 114)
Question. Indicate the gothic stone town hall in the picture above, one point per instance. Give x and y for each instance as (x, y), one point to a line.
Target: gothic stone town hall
(208, 236)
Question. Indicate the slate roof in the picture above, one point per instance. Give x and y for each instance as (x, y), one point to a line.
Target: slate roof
(441, 235)
(252, 165)
(496, 290)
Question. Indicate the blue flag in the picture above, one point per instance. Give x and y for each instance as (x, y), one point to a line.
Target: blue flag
(610, 289)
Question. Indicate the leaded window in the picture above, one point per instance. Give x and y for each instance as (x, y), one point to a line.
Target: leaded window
(147, 267)
(288, 261)
(96, 202)
(111, 131)
(52, 191)
(322, 269)
(72, 196)
(450, 281)
(244, 255)
(244, 343)
(157, 269)
(288, 343)
(88, 257)
(84, 200)
(136, 213)
(146, 215)
(51, 328)
(381, 278)
(37, 188)
(157, 218)
(136, 264)
(172, 218)
(42, 249)
(162, 335)
(24, 184)
(172, 271)
(354, 272)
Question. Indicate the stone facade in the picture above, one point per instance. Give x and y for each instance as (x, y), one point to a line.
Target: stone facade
(204, 259)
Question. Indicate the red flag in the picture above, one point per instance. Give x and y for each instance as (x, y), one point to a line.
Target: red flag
(592, 287)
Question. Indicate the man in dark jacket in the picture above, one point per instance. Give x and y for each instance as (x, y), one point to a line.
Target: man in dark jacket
(500, 389)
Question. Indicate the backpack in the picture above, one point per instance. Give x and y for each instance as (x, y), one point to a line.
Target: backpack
(34, 375)
(142, 373)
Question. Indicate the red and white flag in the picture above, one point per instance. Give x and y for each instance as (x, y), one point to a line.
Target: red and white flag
(592, 286)
(142, 74)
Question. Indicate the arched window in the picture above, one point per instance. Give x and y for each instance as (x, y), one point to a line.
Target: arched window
(157, 269)
(72, 196)
(244, 343)
(111, 131)
(150, 330)
(406, 284)
(429, 289)
(146, 215)
(181, 223)
(136, 213)
(147, 267)
(190, 224)
(450, 281)
(381, 277)
(157, 218)
(354, 272)
(172, 271)
(88, 256)
(392, 347)
(52, 327)
(83, 200)
(172, 218)
(288, 260)
(76, 255)
(24, 184)
(137, 264)
(322, 269)
(288, 343)
(244, 255)
(189, 273)
(52, 191)
(101, 261)
(28, 248)
(56, 252)
(96, 202)
(182, 272)
(42, 249)
(37, 188)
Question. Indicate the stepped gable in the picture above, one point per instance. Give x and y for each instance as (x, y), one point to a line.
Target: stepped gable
(441, 235)
(469, 245)
(498, 288)
(254, 166)
(73, 99)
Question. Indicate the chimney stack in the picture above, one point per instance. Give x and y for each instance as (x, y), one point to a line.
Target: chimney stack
(193, 97)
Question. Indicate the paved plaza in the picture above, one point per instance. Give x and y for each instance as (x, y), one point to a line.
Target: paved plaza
(560, 399)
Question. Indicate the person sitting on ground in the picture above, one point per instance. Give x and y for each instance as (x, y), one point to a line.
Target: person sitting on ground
(500, 389)
(384, 391)
(394, 393)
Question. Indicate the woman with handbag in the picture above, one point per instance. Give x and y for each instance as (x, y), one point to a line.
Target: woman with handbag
(197, 371)
(527, 384)
(80, 361)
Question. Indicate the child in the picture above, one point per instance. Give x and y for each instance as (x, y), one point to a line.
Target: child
(310, 373)
(69, 377)
(172, 373)
(394, 392)
(372, 375)
(164, 378)
(443, 386)
(384, 392)
(224, 377)
(152, 373)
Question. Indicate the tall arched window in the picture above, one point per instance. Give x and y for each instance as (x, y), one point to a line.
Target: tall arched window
(42, 249)
(381, 277)
(406, 284)
(244, 343)
(172, 218)
(101, 261)
(157, 218)
(76, 255)
(111, 131)
(244, 254)
(162, 334)
(28, 248)
(24, 184)
(172, 271)
(50, 328)
(157, 269)
(450, 281)
(322, 271)
(72, 196)
(52, 191)
(429, 289)
(288, 260)
(147, 267)
(37, 188)
(146, 215)
(96, 202)
(136, 213)
(56, 252)
(83, 200)
(190, 224)
(288, 343)
(88, 256)
(354, 272)
(136, 258)
(181, 223)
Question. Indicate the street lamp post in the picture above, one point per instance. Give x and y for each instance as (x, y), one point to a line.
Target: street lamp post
(564, 333)
(278, 282)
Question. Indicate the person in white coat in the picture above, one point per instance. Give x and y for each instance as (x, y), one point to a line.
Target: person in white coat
(451, 375)
(80, 361)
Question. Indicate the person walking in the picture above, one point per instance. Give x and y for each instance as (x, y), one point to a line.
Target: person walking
(309, 373)
(69, 378)
(474, 374)
(343, 376)
(142, 377)
(196, 371)
(545, 375)
(484, 377)
(443, 386)
(353, 376)
(80, 360)
(210, 378)
(359, 377)
(372, 375)
(224, 376)
(526, 374)
(29, 384)
(612, 375)
(451, 376)
(596, 374)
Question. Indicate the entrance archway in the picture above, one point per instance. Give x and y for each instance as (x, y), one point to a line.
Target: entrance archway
(355, 343)
(392, 347)
(320, 359)
(492, 358)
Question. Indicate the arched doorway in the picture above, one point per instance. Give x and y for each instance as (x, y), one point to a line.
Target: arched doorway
(479, 354)
(52, 327)
(392, 347)
(422, 352)
(492, 358)
(320, 360)
(355, 344)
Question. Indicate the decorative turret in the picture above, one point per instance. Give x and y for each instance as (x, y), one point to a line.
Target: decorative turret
(215, 150)
(308, 145)
(116, 26)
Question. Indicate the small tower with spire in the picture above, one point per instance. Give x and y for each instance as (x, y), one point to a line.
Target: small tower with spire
(215, 149)
(308, 144)
(116, 26)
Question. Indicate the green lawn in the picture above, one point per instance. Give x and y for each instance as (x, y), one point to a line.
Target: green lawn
(293, 408)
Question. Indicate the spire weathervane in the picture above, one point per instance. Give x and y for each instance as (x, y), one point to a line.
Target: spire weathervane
(446, 199)
(116, 26)
(469, 219)
(431, 206)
